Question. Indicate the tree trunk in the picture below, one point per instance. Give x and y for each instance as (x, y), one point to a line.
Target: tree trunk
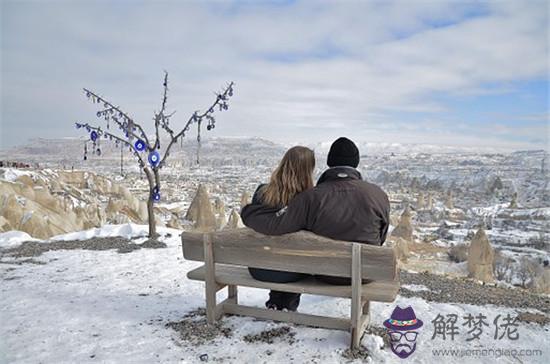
(151, 217)
(150, 211)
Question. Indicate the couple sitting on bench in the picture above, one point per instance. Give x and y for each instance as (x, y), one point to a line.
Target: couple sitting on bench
(341, 206)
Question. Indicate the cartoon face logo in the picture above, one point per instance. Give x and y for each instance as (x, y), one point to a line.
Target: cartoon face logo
(402, 326)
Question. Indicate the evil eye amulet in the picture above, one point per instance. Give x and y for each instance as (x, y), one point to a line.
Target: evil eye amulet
(139, 145)
(154, 158)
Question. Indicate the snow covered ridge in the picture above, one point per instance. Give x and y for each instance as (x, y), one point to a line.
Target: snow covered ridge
(402, 148)
(86, 306)
(11, 174)
(13, 238)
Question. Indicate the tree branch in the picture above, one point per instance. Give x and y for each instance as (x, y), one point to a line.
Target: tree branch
(109, 106)
(101, 132)
(220, 101)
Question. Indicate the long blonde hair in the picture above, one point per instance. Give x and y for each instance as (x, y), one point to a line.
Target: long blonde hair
(293, 175)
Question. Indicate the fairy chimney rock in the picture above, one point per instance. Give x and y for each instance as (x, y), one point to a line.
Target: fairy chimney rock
(201, 211)
(404, 228)
(480, 257)
(420, 201)
(245, 199)
(449, 200)
(514, 202)
(234, 220)
(201, 195)
(401, 248)
(430, 202)
(219, 206)
(221, 220)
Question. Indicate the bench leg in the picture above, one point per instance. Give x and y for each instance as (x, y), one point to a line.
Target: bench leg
(232, 295)
(210, 303)
(365, 319)
(356, 306)
(212, 311)
(355, 337)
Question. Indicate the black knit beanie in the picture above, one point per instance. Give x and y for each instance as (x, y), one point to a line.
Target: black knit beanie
(343, 152)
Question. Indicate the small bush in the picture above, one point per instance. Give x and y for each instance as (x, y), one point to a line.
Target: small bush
(502, 267)
(527, 271)
(458, 253)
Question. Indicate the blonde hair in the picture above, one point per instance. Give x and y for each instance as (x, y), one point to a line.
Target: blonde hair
(293, 175)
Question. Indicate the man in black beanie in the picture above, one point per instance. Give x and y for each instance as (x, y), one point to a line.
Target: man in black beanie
(343, 152)
(341, 206)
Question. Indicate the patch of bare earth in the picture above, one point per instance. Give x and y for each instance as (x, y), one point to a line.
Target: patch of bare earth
(194, 328)
(34, 249)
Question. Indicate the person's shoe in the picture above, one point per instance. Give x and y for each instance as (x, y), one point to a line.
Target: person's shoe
(292, 305)
(271, 306)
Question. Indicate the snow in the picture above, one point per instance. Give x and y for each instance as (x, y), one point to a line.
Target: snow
(101, 306)
(128, 231)
(13, 238)
(415, 287)
(539, 213)
(11, 174)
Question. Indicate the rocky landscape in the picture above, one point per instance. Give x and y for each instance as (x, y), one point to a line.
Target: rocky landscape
(446, 202)
(470, 228)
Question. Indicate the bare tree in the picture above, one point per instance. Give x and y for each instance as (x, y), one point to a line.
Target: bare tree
(527, 271)
(502, 266)
(153, 161)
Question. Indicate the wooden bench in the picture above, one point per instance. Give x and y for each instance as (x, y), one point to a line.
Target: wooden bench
(228, 253)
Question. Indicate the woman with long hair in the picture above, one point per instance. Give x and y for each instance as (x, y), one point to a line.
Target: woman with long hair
(293, 175)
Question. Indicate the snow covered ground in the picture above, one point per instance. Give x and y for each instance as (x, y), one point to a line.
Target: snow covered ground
(86, 306)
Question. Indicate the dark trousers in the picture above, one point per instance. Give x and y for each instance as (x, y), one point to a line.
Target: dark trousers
(288, 300)
(338, 281)
(291, 300)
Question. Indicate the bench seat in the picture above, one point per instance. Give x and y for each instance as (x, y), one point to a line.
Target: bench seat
(381, 291)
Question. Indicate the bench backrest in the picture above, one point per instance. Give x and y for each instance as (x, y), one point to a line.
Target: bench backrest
(302, 252)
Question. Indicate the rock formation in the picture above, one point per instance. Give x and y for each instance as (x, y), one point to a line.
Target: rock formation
(201, 212)
(401, 248)
(481, 257)
(541, 282)
(174, 222)
(394, 220)
(192, 212)
(47, 202)
(221, 220)
(404, 228)
(219, 206)
(449, 200)
(4, 224)
(430, 202)
(245, 199)
(234, 220)
(514, 202)
(420, 201)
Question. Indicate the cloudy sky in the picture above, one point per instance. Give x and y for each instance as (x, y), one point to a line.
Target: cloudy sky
(458, 73)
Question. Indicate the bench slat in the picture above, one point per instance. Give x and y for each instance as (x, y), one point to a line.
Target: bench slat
(380, 291)
(294, 317)
(302, 252)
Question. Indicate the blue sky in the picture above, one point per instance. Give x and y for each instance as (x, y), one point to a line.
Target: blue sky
(448, 72)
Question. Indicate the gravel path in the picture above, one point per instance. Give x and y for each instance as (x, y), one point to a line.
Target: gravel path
(122, 245)
(462, 290)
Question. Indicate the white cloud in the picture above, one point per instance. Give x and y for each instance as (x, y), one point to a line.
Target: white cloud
(379, 58)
